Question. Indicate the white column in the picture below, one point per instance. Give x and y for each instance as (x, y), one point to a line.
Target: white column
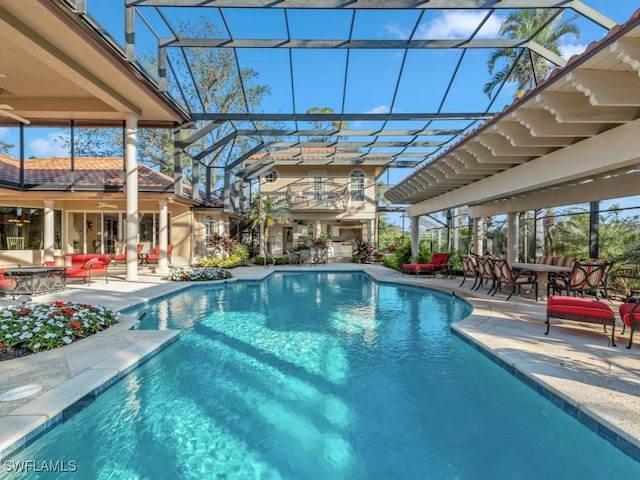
(371, 231)
(163, 238)
(316, 229)
(415, 237)
(49, 227)
(513, 236)
(131, 221)
(477, 236)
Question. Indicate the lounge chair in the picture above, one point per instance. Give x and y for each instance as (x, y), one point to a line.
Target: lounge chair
(94, 266)
(122, 257)
(155, 256)
(439, 263)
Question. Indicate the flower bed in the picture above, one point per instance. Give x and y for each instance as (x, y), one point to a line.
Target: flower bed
(33, 328)
(199, 274)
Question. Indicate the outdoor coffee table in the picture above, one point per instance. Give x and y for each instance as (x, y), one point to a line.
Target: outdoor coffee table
(37, 280)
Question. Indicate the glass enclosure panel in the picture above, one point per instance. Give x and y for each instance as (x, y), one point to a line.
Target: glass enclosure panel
(21, 228)
(76, 232)
(110, 224)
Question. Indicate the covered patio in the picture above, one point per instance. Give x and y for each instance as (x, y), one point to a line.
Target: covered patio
(571, 139)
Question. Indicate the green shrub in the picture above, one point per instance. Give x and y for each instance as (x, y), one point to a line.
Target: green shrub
(259, 260)
(233, 260)
(237, 257)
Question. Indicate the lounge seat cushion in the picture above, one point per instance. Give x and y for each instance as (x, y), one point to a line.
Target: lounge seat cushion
(580, 309)
(438, 262)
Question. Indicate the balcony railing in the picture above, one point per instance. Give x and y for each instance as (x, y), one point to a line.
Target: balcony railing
(314, 196)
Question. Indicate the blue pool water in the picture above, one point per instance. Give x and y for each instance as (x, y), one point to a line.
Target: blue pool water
(321, 376)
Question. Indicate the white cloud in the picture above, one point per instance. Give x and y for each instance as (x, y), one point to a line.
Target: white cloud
(397, 31)
(568, 50)
(50, 146)
(460, 24)
(380, 109)
(3, 131)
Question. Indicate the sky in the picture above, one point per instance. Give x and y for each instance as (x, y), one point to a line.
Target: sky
(320, 76)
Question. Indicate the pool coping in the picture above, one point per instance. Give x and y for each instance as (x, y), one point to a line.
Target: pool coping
(128, 350)
(491, 325)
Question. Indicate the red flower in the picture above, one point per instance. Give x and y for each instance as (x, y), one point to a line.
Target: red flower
(1, 346)
(69, 312)
(24, 312)
(75, 325)
(59, 304)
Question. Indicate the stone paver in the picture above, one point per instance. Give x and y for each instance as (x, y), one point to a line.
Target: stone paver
(573, 362)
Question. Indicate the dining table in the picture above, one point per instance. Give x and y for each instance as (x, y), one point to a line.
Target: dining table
(542, 270)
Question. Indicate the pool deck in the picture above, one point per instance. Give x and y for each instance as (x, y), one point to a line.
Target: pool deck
(574, 366)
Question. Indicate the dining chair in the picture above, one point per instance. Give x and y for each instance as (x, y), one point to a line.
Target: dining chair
(505, 275)
(469, 269)
(15, 243)
(586, 276)
(485, 273)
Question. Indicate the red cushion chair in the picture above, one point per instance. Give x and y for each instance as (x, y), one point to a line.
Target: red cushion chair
(438, 263)
(630, 315)
(95, 264)
(155, 256)
(122, 257)
(581, 310)
(6, 283)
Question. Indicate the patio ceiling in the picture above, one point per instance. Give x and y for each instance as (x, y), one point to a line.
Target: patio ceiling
(571, 139)
(57, 65)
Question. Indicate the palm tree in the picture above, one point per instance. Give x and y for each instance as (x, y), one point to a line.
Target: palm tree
(546, 28)
(265, 213)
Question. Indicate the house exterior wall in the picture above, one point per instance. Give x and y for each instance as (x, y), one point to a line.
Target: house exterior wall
(341, 222)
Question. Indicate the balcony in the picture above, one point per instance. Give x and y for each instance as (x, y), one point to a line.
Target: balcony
(327, 196)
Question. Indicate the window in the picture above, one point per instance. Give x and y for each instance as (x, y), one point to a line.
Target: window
(356, 186)
(270, 176)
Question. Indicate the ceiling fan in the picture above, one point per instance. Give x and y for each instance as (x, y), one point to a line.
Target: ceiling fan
(5, 111)
(106, 205)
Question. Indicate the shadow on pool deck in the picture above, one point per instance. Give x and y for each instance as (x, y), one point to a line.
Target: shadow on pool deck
(574, 362)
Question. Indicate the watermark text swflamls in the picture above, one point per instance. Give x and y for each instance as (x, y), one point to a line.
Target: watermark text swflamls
(59, 466)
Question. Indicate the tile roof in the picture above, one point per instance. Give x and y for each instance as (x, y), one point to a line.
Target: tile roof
(94, 171)
(98, 172)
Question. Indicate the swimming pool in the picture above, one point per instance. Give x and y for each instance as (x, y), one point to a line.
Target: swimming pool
(322, 376)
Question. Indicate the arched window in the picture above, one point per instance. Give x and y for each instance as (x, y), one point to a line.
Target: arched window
(270, 176)
(356, 186)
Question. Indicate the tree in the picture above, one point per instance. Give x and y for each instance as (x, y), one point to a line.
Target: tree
(266, 212)
(216, 87)
(522, 24)
(324, 125)
(5, 148)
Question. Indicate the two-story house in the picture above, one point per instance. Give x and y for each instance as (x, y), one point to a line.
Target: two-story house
(326, 194)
